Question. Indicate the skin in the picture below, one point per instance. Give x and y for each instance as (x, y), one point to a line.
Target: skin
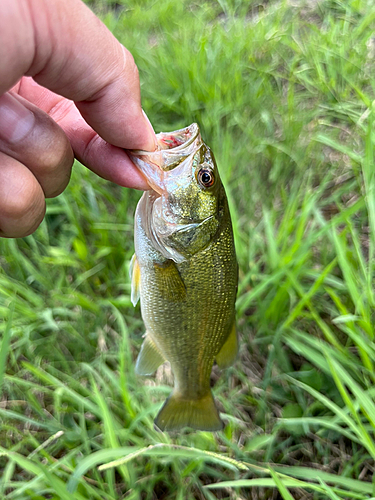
(68, 89)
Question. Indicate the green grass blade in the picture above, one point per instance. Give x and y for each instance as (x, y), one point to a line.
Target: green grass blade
(4, 347)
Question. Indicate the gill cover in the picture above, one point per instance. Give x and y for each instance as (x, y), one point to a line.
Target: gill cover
(182, 208)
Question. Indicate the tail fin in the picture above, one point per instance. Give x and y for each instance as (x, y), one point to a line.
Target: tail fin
(199, 414)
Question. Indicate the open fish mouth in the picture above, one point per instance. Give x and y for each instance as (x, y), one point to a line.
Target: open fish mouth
(173, 148)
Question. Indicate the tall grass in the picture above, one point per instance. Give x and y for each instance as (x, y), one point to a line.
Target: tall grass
(283, 92)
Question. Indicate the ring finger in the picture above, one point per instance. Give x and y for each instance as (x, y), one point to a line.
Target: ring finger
(22, 203)
(30, 136)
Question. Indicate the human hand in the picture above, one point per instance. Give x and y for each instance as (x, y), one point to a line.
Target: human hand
(67, 88)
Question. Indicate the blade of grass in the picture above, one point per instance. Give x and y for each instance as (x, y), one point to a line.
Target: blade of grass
(5, 343)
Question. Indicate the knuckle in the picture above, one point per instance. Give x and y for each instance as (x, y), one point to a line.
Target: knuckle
(57, 189)
(61, 109)
(56, 151)
(53, 159)
(22, 203)
(90, 147)
(129, 62)
(129, 71)
(34, 224)
(23, 212)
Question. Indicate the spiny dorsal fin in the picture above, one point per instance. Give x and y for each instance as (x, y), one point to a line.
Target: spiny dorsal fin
(228, 353)
(199, 414)
(149, 358)
(135, 276)
(170, 283)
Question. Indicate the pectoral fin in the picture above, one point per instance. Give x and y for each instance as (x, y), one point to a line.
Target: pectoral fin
(170, 283)
(149, 358)
(228, 352)
(135, 276)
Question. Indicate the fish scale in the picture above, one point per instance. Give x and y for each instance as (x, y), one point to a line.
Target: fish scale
(185, 272)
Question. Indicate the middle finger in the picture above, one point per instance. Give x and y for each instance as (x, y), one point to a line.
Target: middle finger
(30, 136)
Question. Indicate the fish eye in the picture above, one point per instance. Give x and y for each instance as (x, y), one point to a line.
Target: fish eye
(206, 177)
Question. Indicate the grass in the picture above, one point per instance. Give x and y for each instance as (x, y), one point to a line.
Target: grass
(284, 95)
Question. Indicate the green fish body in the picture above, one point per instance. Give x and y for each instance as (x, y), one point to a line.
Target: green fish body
(185, 273)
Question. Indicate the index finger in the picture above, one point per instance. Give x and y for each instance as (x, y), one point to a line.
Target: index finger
(68, 50)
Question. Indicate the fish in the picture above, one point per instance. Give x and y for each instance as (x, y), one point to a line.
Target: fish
(185, 273)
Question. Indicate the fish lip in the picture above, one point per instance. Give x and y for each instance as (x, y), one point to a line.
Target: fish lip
(191, 132)
(173, 148)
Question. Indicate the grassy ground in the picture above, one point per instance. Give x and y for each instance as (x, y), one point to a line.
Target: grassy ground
(284, 94)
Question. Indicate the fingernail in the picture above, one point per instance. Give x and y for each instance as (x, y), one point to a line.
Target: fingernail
(155, 142)
(16, 121)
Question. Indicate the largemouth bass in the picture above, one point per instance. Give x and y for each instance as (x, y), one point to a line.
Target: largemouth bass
(185, 272)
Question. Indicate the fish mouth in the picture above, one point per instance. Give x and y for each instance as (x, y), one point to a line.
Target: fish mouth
(173, 148)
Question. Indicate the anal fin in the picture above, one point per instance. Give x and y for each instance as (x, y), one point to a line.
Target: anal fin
(228, 353)
(149, 358)
(199, 414)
